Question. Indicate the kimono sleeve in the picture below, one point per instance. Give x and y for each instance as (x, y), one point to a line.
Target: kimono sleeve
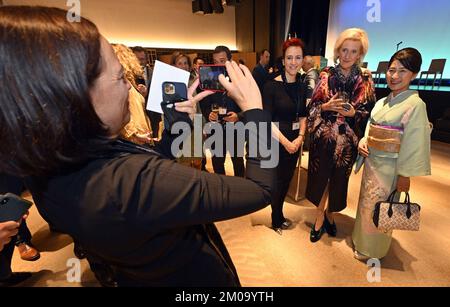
(414, 156)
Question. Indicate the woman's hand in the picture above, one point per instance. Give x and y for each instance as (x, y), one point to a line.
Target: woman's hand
(190, 106)
(242, 88)
(298, 141)
(362, 148)
(142, 89)
(333, 105)
(291, 147)
(8, 230)
(403, 184)
(344, 112)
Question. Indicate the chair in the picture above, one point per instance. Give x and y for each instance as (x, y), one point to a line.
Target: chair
(436, 68)
(381, 70)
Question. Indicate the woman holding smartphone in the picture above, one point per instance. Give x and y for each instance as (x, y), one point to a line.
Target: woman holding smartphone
(336, 126)
(144, 217)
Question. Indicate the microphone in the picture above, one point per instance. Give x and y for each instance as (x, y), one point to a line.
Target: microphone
(399, 44)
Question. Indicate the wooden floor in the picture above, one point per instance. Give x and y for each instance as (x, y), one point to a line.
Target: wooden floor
(264, 258)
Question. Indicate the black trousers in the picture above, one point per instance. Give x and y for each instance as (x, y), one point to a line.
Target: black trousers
(284, 173)
(238, 162)
(5, 260)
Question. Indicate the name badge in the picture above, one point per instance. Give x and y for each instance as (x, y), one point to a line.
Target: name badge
(295, 126)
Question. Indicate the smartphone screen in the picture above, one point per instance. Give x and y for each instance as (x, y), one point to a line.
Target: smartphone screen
(209, 77)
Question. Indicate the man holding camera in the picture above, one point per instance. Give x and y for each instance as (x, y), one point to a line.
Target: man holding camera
(222, 54)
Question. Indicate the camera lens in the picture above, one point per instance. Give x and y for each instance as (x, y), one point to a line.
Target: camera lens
(169, 89)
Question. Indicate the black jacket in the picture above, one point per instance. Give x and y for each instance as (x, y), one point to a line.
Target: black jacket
(149, 218)
(261, 76)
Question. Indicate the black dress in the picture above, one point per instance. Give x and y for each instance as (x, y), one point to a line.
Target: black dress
(279, 99)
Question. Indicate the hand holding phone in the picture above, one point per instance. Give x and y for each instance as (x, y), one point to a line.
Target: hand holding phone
(13, 207)
(174, 92)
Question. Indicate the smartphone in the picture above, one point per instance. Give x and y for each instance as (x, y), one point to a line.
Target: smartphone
(173, 92)
(13, 207)
(347, 107)
(209, 77)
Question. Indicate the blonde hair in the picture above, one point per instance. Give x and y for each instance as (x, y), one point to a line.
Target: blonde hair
(130, 63)
(354, 34)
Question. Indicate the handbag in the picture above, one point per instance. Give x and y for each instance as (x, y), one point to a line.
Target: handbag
(297, 186)
(390, 215)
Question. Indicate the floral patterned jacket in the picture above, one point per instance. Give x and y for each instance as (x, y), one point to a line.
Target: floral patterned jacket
(343, 133)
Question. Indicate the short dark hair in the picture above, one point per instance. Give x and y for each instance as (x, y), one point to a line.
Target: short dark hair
(225, 49)
(196, 60)
(49, 65)
(138, 49)
(262, 52)
(293, 42)
(410, 58)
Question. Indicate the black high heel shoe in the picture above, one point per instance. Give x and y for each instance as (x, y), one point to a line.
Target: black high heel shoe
(315, 235)
(286, 224)
(330, 228)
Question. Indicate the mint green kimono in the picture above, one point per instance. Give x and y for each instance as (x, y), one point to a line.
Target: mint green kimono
(381, 169)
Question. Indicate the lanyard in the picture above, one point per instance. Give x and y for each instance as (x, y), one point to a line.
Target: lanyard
(300, 92)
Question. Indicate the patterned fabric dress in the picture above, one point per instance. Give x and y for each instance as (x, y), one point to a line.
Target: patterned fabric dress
(381, 169)
(334, 138)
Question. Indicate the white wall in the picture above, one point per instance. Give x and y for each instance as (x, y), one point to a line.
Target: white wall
(153, 23)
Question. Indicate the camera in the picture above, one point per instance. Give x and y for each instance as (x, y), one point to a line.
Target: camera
(209, 77)
(173, 92)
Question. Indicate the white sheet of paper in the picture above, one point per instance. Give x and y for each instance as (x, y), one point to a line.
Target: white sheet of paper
(163, 73)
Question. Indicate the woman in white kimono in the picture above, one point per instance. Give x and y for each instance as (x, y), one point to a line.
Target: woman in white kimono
(396, 147)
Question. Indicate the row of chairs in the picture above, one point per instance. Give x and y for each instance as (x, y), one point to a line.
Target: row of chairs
(436, 68)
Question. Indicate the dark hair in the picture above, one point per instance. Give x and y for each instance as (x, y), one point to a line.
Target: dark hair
(225, 49)
(410, 58)
(262, 52)
(138, 49)
(46, 115)
(196, 60)
(293, 42)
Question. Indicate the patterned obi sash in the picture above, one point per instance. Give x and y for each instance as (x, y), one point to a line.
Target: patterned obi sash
(385, 138)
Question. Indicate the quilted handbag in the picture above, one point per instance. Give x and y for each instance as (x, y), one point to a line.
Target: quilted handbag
(390, 215)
